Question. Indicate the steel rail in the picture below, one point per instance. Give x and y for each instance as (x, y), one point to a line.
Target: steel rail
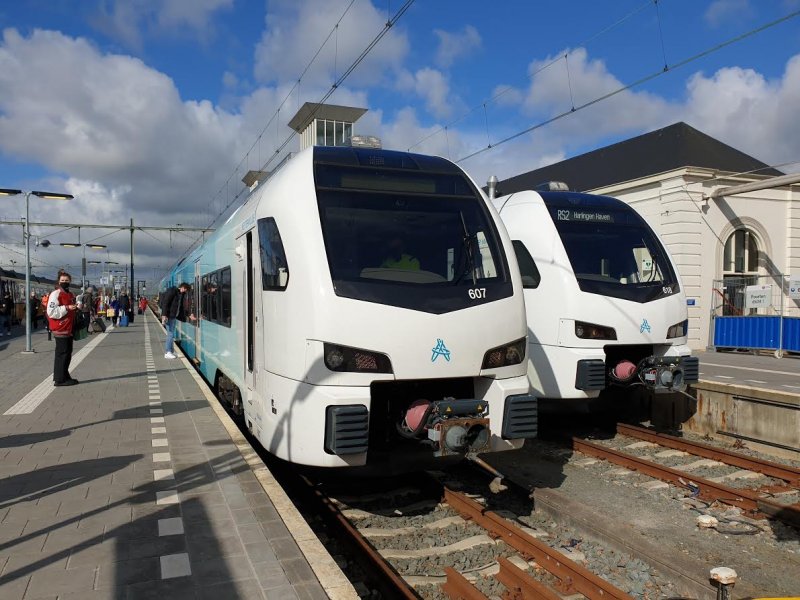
(745, 499)
(458, 587)
(522, 585)
(391, 584)
(572, 576)
(778, 471)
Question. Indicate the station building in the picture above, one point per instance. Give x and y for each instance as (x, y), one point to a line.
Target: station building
(724, 244)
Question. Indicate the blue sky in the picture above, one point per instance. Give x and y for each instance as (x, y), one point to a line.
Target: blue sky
(144, 109)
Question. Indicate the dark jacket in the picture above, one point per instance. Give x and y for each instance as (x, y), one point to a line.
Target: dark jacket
(6, 306)
(125, 303)
(172, 304)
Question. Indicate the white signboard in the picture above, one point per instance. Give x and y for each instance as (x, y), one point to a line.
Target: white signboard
(104, 281)
(757, 296)
(117, 286)
(794, 287)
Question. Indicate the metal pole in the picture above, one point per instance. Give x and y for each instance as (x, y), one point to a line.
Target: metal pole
(132, 279)
(779, 353)
(28, 344)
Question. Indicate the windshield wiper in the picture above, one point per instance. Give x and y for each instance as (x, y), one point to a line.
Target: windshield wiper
(467, 240)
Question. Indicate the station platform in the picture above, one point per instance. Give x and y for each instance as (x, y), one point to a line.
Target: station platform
(135, 484)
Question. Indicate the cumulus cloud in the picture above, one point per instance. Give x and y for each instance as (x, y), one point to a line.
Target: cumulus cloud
(748, 111)
(121, 138)
(294, 32)
(721, 11)
(433, 87)
(453, 46)
(127, 21)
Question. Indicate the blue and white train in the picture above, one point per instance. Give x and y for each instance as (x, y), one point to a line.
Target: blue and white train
(363, 307)
(604, 302)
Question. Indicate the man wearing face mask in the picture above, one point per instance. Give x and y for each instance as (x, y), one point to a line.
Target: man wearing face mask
(61, 308)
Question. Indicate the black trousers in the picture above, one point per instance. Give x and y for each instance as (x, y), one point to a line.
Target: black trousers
(63, 357)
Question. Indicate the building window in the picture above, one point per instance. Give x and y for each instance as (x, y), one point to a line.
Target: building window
(739, 269)
(741, 253)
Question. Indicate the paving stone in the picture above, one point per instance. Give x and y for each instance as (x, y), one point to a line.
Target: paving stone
(49, 581)
(79, 492)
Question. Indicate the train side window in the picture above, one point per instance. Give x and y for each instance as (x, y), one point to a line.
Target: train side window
(527, 267)
(225, 292)
(204, 297)
(213, 297)
(274, 268)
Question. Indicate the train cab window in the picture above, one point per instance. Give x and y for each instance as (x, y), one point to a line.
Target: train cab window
(527, 266)
(274, 268)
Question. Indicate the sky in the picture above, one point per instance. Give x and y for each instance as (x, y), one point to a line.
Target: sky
(153, 110)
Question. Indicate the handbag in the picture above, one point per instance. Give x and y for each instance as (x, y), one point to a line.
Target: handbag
(80, 326)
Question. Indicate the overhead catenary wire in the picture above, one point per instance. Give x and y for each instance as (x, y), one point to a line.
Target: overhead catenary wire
(334, 86)
(505, 89)
(638, 82)
(276, 113)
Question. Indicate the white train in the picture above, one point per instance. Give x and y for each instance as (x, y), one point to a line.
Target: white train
(363, 308)
(603, 298)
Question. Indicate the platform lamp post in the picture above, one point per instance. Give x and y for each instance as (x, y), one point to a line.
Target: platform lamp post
(27, 235)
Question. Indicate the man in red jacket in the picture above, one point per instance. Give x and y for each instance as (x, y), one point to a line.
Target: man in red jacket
(61, 307)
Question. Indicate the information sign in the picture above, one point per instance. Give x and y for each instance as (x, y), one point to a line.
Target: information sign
(794, 287)
(758, 296)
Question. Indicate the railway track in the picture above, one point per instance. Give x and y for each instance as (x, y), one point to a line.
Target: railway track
(775, 498)
(432, 541)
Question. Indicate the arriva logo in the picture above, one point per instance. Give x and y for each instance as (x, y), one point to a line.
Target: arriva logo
(645, 326)
(440, 350)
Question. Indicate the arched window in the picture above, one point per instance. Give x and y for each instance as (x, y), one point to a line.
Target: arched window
(741, 254)
(739, 269)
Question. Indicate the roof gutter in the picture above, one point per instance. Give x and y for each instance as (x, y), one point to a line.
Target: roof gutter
(773, 182)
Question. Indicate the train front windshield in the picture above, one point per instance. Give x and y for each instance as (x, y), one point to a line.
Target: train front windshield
(612, 250)
(409, 238)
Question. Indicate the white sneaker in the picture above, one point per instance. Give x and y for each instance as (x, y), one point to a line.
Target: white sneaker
(169, 355)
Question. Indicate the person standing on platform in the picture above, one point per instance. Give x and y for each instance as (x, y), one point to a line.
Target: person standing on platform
(173, 309)
(124, 305)
(6, 312)
(61, 309)
(44, 317)
(114, 305)
(33, 307)
(87, 308)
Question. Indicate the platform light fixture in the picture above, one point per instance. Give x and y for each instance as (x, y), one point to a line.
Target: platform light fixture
(27, 235)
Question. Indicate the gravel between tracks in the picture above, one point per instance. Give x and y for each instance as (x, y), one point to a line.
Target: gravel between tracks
(766, 554)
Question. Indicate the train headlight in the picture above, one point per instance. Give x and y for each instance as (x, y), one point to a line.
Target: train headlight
(355, 360)
(678, 330)
(505, 356)
(590, 331)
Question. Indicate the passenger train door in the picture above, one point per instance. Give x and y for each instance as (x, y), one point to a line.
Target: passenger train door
(198, 355)
(250, 310)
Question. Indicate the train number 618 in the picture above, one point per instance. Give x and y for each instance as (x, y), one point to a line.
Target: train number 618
(477, 293)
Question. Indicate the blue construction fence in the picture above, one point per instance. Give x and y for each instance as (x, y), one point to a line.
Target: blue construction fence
(757, 332)
(756, 312)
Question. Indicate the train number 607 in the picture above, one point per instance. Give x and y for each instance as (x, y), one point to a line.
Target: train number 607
(477, 293)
